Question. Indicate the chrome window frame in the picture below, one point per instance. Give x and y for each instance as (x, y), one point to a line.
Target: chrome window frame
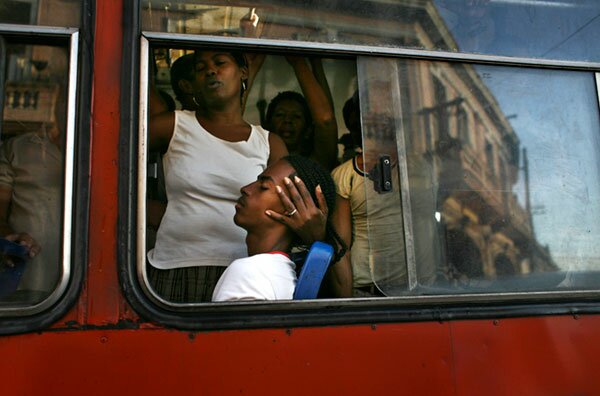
(598, 86)
(150, 38)
(2, 82)
(72, 36)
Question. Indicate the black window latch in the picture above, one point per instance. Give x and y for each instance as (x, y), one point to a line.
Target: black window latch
(381, 175)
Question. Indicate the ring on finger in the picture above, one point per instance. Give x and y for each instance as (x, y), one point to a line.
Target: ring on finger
(293, 212)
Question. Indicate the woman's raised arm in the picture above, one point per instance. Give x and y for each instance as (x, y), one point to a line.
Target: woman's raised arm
(324, 150)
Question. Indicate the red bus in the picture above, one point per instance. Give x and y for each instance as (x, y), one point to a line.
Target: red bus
(480, 269)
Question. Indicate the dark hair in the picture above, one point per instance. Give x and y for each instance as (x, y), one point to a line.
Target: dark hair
(306, 145)
(350, 107)
(181, 69)
(238, 57)
(313, 175)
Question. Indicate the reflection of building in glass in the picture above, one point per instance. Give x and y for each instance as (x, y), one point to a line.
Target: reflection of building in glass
(482, 26)
(34, 73)
(28, 105)
(377, 22)
(452, 119)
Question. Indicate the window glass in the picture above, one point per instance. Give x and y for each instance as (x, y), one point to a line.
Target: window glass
(64, 13)
(32, 161)
(552, 29)
(385, 250)
(474, 178)
(504, 199)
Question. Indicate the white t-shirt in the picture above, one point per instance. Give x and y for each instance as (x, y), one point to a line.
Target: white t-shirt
(267, 276)
(203, 177)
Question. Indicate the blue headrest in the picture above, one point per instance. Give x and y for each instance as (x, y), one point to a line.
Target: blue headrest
(312, 272)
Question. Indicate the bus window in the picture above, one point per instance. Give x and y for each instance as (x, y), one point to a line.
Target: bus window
(35, 157)
(505, 195)
(460, 130)
(277, 92)
(454, 203)
(561, 30)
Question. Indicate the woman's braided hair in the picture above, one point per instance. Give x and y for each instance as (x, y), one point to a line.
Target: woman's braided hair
(313, 175)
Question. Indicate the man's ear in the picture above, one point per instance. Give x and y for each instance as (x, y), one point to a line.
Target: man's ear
(185, 86)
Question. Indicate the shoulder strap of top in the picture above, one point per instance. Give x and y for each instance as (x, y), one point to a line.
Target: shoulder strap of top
(263, 133)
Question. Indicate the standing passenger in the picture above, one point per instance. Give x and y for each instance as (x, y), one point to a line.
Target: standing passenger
(370, 223)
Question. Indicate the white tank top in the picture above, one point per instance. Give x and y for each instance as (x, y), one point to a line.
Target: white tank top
(203, 177)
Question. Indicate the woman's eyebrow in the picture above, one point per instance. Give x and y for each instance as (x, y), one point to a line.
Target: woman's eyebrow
(219, 54)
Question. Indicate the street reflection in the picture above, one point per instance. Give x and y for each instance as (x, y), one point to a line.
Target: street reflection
(565, 30)
(511, 159)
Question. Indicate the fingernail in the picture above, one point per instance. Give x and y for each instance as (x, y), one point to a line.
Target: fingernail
(296, 179)
(278, 189)
(318, 188)
(287, 180)
(268, 213)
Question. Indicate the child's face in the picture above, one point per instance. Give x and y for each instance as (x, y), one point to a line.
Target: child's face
(261, 195)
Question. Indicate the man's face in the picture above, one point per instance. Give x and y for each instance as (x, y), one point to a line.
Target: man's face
(289, 123)
(261, 195)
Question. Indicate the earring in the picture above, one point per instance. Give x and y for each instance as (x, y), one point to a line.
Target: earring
(195, 101)
(243, 85)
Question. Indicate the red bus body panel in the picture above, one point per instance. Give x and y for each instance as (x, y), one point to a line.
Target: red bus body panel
(530, 356)
(93, 355)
